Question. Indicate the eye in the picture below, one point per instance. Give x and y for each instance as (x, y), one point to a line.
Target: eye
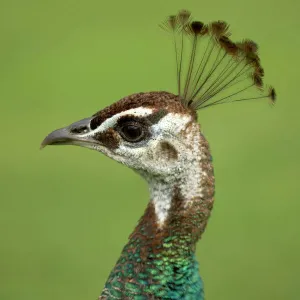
(132, 132)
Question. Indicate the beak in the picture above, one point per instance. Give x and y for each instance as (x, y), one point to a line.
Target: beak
(74, 134)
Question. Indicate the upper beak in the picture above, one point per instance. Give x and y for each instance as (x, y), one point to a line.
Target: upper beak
(74, 134)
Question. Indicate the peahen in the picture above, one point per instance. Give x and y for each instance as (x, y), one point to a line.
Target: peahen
(157, 135)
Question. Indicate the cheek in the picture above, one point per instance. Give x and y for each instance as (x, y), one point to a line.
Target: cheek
(156, 156)
(167, 151)
(164, 153)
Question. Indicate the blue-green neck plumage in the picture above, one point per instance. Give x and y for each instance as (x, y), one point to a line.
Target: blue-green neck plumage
(159, 262)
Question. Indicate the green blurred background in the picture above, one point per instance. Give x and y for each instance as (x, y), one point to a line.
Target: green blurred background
(66, 212)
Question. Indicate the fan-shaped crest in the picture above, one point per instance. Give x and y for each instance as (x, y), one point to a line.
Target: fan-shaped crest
(211, 68)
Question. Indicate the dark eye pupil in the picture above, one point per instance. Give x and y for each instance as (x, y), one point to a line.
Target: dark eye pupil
(132, 133)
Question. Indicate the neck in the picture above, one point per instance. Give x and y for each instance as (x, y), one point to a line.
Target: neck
(162, 246)
(180, 205)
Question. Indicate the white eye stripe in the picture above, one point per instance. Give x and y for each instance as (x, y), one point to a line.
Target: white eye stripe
(139, 112)
(111, 122)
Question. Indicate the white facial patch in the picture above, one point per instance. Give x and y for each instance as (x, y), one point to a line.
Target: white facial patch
(172, 123)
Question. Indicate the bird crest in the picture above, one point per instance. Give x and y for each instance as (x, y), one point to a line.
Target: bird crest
(211, 68)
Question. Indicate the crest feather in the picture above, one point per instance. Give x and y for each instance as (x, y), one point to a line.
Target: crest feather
(211, 68)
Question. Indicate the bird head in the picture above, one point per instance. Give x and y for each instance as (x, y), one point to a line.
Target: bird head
(145, 131)
(154, 133)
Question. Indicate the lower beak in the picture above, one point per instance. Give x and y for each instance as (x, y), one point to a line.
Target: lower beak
(74, 134)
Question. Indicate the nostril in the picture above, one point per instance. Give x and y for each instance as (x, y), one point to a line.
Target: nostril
(78, 130)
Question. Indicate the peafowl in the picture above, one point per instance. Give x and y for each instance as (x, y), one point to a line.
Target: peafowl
(157, 135)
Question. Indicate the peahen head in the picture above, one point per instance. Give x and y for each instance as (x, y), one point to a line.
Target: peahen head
(145, 131)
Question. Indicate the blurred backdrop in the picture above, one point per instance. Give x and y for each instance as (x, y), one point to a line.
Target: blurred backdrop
(66, 212)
